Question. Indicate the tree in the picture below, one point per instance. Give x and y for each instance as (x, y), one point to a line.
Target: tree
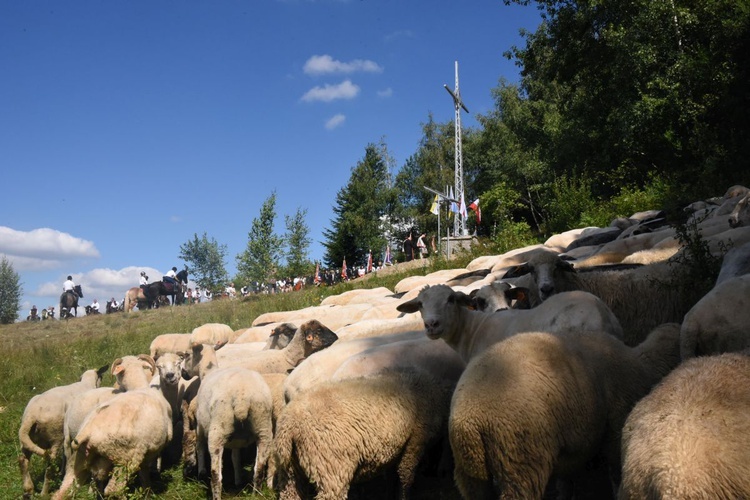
(297, 243)
(10, 292)
(206, 259)
(260, 260)
(360, 206)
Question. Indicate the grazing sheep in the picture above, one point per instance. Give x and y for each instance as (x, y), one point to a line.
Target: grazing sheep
(320, 366)
(131, 373)
(638, 297)
(119, 437)
(309, 338)
(446, 315)
(233, 410)
(169, 342)
(41, 430)
(542, 404)
(690, 437)
(345, 431)
(719, 322)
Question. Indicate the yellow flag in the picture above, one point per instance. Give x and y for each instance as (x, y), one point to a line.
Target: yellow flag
(435, 208)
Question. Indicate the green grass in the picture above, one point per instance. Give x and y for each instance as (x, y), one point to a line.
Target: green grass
(42, 355)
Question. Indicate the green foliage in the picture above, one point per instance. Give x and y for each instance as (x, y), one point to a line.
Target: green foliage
(360, 208)
(10, 292)
(260, 260)
(698, 267)
(297, 243)
(206, 259)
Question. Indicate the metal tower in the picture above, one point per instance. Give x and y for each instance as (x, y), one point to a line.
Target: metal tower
(459, 222)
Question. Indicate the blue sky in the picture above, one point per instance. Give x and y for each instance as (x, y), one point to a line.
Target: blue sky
(128, 127)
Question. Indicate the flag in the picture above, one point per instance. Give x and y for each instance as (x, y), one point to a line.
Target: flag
(343, 270)
(316, 280)
(369, 262)
(454, 205)
(435, 208)
(462, 208)
(475, 207)
(387, 258)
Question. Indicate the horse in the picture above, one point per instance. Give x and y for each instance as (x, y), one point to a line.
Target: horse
(135, 296)
(68, 301)
(154, 291)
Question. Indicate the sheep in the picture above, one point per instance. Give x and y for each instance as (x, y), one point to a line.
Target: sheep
(320, 366)
(311, 337)
(131, 373)
(212, 333)
(435, 358)
(169, 342)
(719, 321)
(41, 430)
(333, 316)
(119, 437)
(498, 296)
(446, 315)
(689, 438)
(639, 297)
(345, 431)
(378, 327)
(539, 404)
(740, 216)
(736, 262)
(359, 296)
(280, 336)
(233, 409)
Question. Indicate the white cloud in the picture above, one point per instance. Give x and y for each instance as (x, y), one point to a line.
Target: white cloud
(335, 121)
(321, 65)
(175, 218)
(328, 93)
(101, 284)
(398, 34)
(43, 248)
(385, 92)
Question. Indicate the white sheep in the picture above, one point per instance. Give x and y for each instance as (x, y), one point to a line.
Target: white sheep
(358, 296)
(131, 373)
(640, 297)
(542, 404)
(499, 296)
(736, 262)
(345, 431)
(333, 316)
(320, 366)
(119, 437)
(379, 327)
(41, 430)
(280, 336)
(690, 437)
(446, 315)
(233, 409)
(719, 322)
(740, 216)
(310, 337)
(212, 333)
(169, 342)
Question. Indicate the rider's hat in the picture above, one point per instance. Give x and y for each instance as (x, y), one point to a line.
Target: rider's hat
(174, 269)
(70, 277)
(143, 273)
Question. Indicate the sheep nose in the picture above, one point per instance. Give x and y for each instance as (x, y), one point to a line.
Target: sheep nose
(547, 289)
(431, 323)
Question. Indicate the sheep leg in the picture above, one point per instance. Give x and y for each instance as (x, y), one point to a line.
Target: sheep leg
(262, 470)
(216, 450)
(47, 473)
(200, 451)
(118, 481)
(407, 467)
(28, 484)
(237, 466)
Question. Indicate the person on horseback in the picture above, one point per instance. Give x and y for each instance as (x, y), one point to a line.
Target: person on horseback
(171, 276)
(33, 314)
(143, 281)
(95, 306)
(69, 286)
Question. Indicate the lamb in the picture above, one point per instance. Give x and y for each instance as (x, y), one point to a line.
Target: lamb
(541, 404)
(689, 437)
(719, 321)
(131, 373)
(233, 409)
(311, 337)
(41, 430)
(446, 315)
(635, 295)
(371, 423)
(119, 437)
(320, 366)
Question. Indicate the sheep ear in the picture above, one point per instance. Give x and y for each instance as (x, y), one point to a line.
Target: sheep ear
(116, 366)
(219, 345)
(149, 360)
(517, 271)
(410, 306)
(478, 304)
(461, 299)
(101, 371)
(564, 265)
(520, 295)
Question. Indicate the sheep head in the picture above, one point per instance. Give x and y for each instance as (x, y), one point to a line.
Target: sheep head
(441, 310)
(170, 368)
(543, 267)
(317, 336)
(499, 296)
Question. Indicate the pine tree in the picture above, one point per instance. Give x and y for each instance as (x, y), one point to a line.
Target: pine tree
(10, 292)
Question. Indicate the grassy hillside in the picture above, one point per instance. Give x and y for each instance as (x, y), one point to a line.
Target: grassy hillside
(42, 355)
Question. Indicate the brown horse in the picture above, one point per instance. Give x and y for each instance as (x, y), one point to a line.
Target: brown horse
(134, 297)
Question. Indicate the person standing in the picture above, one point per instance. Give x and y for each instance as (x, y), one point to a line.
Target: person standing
(409, 248)
(421, 247)
(197, 295)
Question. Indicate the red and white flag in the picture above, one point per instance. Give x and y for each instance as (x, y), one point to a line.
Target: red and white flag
(316, 279)
(343, 270)
(369, 262)
(475, 207)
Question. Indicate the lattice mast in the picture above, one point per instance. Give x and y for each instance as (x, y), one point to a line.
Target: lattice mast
(459, 221)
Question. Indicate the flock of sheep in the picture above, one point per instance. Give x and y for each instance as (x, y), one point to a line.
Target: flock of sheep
(564, 369)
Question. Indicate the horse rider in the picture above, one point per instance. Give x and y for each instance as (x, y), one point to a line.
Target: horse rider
(171, 276)
(69, 286)
(143, 281)
(95, 306)
(33, 314)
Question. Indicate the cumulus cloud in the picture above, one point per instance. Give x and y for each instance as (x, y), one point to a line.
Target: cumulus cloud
(328, 93)
(385, 92)
(43, 248)
(325, 64)
(335, 121)
(101, 283)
